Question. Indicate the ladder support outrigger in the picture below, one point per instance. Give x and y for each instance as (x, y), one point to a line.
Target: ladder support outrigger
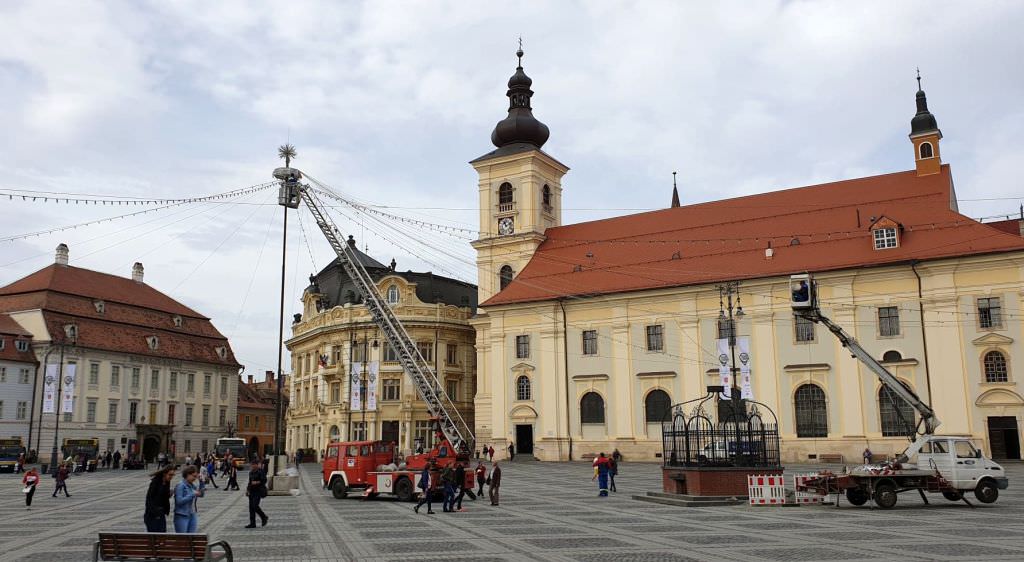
(439, 404)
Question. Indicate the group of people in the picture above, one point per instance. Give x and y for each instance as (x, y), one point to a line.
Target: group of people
(190, 488)
(207, 465)
(452, 481)
(111, 460)
(487, 452)
(605, 470)
(31, 480)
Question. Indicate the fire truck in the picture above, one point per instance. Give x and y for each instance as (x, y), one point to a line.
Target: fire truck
(945, 464)
(374, 468)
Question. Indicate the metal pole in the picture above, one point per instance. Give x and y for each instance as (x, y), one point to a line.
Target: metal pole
(59, 399)
(363, 386)
(278, 445)
(31, 418)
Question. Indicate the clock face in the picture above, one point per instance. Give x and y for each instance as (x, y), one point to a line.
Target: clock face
(505, 225)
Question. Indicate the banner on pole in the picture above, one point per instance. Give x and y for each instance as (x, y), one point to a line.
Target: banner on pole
(357, 375)
(69, 388)
(724, 372)
(371, 389)
(746, 390)
(50, 389)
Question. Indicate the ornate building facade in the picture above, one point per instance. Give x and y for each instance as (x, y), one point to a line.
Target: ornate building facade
(335, 332)
(589, 333)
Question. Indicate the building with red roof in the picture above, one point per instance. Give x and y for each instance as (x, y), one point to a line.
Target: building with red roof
(257, 412)
(150, 374)
(588, 333)
(17, 372)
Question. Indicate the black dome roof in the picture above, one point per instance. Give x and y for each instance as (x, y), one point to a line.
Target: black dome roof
(520, 126)
(923, 121)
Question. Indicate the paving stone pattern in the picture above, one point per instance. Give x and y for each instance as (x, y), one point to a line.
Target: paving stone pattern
(550, 511)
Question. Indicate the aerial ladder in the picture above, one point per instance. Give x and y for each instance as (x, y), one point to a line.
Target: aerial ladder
(440, 406)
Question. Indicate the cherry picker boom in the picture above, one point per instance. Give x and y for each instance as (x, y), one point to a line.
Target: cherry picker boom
(439, 404)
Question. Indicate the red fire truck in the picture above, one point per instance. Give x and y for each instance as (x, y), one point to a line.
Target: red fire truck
(363, 466)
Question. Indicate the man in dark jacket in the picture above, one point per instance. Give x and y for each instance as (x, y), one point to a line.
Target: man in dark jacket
(158, 500)
(256, 490)
(460, 483)
(424, 486)
(495, 483)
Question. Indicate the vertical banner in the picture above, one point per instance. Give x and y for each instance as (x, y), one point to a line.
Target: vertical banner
(371, 388)
(724, 372)
(746, 390)
(50, 389)
(357, 398)
(69, 388)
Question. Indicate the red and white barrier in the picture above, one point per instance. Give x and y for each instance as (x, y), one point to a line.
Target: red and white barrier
(805, 497)
(766, 489)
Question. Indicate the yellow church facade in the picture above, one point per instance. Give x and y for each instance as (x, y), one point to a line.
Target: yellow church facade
(588, 334)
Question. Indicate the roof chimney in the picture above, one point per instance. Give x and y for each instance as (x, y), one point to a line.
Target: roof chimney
(62, 254)
(250, 379)
(137, 272)
(270, 376)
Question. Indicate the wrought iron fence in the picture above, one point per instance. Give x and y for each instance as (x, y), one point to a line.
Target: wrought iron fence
(740, 437)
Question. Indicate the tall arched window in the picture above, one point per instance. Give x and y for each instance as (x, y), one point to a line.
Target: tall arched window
(926, 150)
(393, 294)
(546, 196)
(591, 408)
(523, 388)
(656, 406)
(335, 433)
(505, 193)
(897, 415)
(995, 367)
(504, 277)
(811, 411)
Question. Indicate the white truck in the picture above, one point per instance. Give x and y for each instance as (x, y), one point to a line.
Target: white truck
(945, 464)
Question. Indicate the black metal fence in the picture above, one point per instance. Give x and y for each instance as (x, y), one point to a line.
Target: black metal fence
(739, 438)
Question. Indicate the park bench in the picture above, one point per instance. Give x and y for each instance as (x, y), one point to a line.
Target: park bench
(159, 546)
(834, 458)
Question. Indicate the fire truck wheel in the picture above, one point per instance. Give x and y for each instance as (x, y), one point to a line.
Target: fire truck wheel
(339, 489)
(857, 496)
(953, 495)
(885, 495)
(986, 492)
(403, 489)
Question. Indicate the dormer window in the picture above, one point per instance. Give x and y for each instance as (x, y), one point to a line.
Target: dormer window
(926, 150)
(71, 331)
(153, 342)
(222, 352)
(3, 343)
(177, 321)
(885, 238)
(101, 306)
(393, 296)
(21, 345)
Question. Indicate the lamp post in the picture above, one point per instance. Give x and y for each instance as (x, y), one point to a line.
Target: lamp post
(287, 200)
(59, 399)
(728, 313)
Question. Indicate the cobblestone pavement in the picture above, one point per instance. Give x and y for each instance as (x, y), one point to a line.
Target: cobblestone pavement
(549, 511)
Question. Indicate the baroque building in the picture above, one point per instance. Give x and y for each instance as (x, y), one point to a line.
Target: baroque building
(17, 373)
(257, 412)
(346, 381)
(150, 374)
(588, 333)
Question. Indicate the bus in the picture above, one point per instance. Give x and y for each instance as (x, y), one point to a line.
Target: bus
(9, 451)
(234, 445)
(89, 447)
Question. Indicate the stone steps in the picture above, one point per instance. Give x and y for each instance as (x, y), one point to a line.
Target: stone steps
(683, 500)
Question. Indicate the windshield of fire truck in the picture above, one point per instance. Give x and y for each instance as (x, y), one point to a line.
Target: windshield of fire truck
(352, 451)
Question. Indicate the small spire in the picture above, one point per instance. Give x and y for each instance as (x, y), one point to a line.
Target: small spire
(675, 191)
(519, 52)
(919, 78)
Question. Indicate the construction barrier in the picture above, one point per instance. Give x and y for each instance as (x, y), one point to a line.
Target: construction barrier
(766, 489)
(805, 497)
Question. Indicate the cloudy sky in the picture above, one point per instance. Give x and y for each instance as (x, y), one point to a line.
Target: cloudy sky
(388, 101)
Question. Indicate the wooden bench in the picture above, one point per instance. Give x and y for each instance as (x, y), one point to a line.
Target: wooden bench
(159, 546)
(833, 458)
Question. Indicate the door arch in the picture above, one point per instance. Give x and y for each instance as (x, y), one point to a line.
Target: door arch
(150, 447)
(254, 447)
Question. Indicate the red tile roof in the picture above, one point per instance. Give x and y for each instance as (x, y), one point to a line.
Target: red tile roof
(817, 228)
(132, 312)
(1011, 226)
(10, 332)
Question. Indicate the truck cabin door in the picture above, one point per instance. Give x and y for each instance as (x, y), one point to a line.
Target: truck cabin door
(935, 455)
(968, 467)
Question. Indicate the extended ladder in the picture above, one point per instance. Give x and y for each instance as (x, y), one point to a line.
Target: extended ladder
(439, 404)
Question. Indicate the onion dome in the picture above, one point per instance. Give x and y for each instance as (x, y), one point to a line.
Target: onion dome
(520, 126)
(923, 121)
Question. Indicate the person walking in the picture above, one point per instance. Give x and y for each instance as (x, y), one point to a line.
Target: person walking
(19, 465)
(62, 481)
(490, 452)
(481, 477)
(460, 486)
(511, 451)
(256, 490)
(494, 480)
(448, 480)
(613, 470)
(232, 477)
(117, 460)
(211, 471)
(186, 494)
(424, 486)
(601, 475)
(158, 500)
(867, 455)
(30, 481)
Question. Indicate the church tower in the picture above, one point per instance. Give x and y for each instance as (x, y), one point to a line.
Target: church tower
(925, 135)
(520, 190)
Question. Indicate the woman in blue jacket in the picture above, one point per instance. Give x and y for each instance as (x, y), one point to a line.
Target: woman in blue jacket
(186, 517)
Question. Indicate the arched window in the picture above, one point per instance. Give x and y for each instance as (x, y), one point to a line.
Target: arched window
(892, 356)
(591, 408)
(523, 388)
(926, 150)
(656, 406)
(505, 277)
(393, 294)
(335, 433)
(897, 415)
(995, 367)
(505, 193)
(811, 412)
(546, 196)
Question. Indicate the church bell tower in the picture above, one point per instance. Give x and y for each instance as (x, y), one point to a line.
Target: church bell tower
(520, 190)
(925, 135)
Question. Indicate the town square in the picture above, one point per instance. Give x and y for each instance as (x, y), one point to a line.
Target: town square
(566, 280)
